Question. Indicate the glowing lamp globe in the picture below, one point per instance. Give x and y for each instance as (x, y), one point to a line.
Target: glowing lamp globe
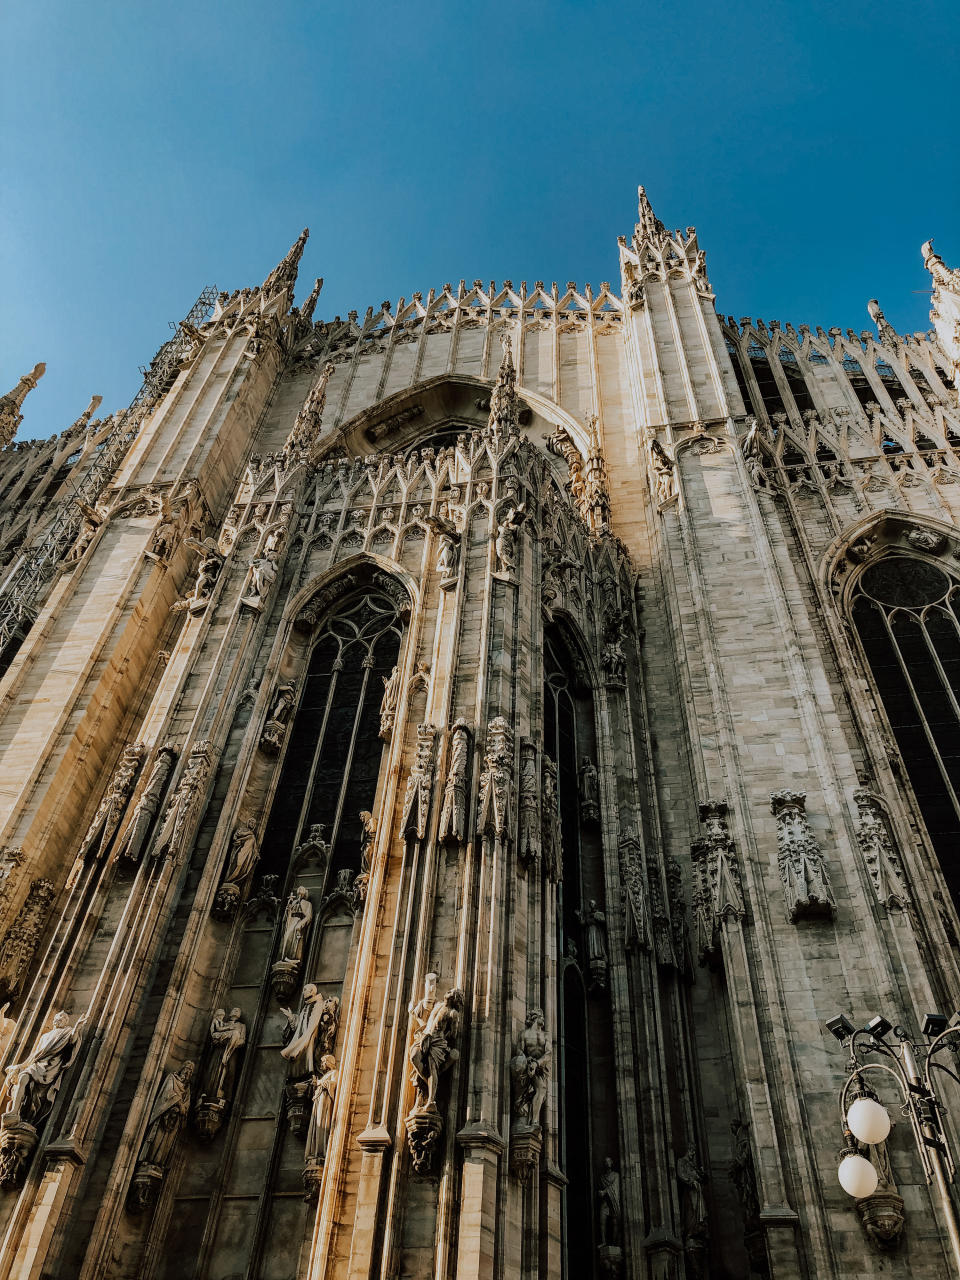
(868, 1121)
(857, 1176)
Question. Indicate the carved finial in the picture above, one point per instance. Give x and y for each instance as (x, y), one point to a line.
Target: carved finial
(10, 404)
(884, 328)
(504, 403)
(284, 274)
(649, 225)
(306, 312)
(307, 426)
(943, 276)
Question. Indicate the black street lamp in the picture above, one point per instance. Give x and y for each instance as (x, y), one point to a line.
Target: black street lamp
(865, 1120)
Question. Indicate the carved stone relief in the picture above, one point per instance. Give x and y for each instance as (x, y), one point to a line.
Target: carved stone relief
(806, 886)
(416, 797)
(530, 1077)
(878, 852)
(146, 808)
(453, 812)
(432, 1053)
(718, 895)
(21, 940)
(171, 1106)
(111, 809)
(297, 917)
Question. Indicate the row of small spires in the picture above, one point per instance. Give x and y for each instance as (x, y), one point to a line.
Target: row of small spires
(803, 330)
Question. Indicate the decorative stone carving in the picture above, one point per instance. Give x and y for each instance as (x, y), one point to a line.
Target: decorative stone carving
(550, 821)
(504, 420)
(877, 849)
(806, 886)
(530, 1076)
(679, 928)
(306, 429)
(208, 571)
(718, 896)
(663, 473)
(882, 1213)
(613, 657)
(183, 810)
(416, 798)
(368, 828)
(171, 1106)
(751, 446)
(388, 705)
(297, 917)
(453, 812)
(594, 922)
(610, 1220)
(530, 830)
(244, 855)
(145, 810)
(318, 1128)
(658, 913)
(274, 731)
(630, 853)
(927, 540)
(228, 1036)
(744, 1178)
(432, 1053)
(505, 544)
(23, 937)
(589, 793)
(448, 546)
(110, 811)
(693, 1208)
(260, 578)
(496, 781)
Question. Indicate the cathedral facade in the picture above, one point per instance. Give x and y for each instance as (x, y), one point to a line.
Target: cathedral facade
(455, 761)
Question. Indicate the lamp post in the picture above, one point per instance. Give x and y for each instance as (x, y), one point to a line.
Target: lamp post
(911, 1065)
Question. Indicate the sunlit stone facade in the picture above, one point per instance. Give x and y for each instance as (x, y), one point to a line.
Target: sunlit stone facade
(454, 761)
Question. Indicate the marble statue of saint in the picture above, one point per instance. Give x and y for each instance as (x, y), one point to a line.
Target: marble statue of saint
(433, 1049)
(530, 1069)
(321, 1114)
(312, 1031)
(228, 1035)
(608, 1203)
(296, 921)
(31, 1086)
(694, 1206)
(506, 540)
(243, 855)
(169, 1110)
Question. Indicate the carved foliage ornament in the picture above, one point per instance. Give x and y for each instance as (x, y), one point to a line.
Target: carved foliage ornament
(878, 852)
(453, 814)
(496, 781)
(416, 799)
(718, 895)
(806, 885)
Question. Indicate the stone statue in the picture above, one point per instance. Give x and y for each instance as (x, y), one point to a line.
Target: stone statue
(752, 452)
(31, 1086)
(506, 540)
(311, 1031)
(529, 806)
(433, 1051)
(263, 574)
(530, 1070)
(208, 571)
(448, 545)
(244, 856)
(663, 471)
(324, 1093)
(594, 923)
(388, 706)
(111, 808)
(693, 1204)
(610, 1211)
(21, 940)
(589, 792)
(453, 814)
(176, 826)
(369, 834)
(228, 1036)
(297, 917)
(145, 810)
(274, 730)
(171, 1106)
(550, 821)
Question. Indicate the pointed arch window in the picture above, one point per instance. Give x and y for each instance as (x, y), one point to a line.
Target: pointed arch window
(333, 759)
(906, 611)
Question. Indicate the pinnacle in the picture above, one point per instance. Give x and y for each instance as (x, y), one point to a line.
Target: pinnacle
(11, 403)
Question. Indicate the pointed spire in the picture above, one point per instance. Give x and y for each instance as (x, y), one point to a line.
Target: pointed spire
(885, 329)
(306, 429)
(649, 225)
(306, 311)
(284, 275)
(943, 276)
(11, 403)
(504, 404)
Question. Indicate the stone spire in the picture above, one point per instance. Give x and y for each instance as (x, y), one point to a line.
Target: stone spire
(944, 277)
(307, 426)
(885, 329)
(649, 225)
(11, 403)
(284, 275)
(504, 404)
(945, 312)
(306, 311)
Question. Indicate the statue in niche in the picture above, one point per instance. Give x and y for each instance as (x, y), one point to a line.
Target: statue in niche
(110, 811)
(228, 1036)
(529, 806)
(310, 1032)
(244, 856)
(321, 1111)
(505, 544)
(271, 740)
(424, 1007)
(208, 571)
(167, 1115)
(388, 706)
(453, 814)
(753, 455)
(368, 833)
(589, 793)
(432, 1052)
(145, 810)
(261, 577)
(297, 918)
(21, 940)
(31, 1086)
(610, 1212)
(530, 1070)
(693, 1204)
(594, 923)
(663, 472)
(550, 819)
(448, 546)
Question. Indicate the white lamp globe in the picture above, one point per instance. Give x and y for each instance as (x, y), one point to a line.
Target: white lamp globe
(857, 1176)
(868, 1121)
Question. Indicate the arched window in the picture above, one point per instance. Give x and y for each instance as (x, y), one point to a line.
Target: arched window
(330, 771)
(907, 614)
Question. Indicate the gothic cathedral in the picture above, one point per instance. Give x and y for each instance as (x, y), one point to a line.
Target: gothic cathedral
(456, 760)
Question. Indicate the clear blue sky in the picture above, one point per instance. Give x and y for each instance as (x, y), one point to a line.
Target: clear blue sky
(150, 149)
